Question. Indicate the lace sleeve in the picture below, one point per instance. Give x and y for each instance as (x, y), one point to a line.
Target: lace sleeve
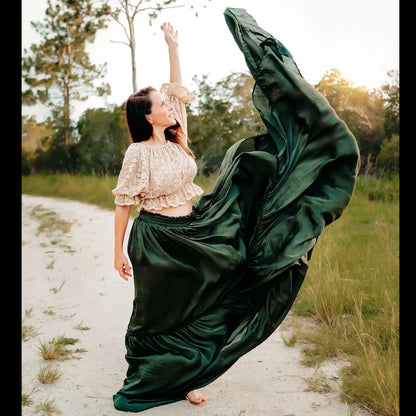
(133, 179)
(178, 96)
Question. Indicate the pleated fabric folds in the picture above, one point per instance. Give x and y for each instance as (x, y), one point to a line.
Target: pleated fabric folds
(213, 285)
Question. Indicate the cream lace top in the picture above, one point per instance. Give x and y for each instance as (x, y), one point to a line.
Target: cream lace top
(157, 177)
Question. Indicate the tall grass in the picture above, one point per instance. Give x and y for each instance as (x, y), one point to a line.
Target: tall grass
(94, 190)
(351, 288)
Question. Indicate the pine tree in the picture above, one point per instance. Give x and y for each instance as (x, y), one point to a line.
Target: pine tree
(58, 70)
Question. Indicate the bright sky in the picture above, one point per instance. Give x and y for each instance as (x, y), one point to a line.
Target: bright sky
(358, 37)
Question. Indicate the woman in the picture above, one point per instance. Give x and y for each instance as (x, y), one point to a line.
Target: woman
(156, 120)
(213, 279)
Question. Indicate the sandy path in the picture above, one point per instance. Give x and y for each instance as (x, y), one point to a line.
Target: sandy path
(69, 288)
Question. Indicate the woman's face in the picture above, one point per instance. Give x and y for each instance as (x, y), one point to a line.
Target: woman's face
(161, 112)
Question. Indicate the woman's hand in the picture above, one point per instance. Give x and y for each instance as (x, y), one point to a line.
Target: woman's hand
(171, 36)
(121, 264)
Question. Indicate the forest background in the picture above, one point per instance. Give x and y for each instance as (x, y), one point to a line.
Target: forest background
(58, 73)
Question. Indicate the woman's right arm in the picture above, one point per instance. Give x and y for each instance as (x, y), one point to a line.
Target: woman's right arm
(121, 219)
(177, 93)
(171, 38)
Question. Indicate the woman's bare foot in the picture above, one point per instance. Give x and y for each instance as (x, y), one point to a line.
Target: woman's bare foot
(196, 397)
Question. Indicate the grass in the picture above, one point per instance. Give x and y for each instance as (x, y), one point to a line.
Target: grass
(81, 327)
(28, 332)
(47, 408)
(49, 375)
(27, 399)
(351, 290)
(49, 221)
(58, 289)
(88, 189)
(57, 348)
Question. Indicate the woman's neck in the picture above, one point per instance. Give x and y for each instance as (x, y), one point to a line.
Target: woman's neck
(158, 137)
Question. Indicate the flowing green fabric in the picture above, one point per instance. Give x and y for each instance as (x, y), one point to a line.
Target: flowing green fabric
(211, 286)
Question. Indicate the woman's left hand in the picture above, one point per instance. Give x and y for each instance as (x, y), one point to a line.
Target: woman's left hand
(171, 36)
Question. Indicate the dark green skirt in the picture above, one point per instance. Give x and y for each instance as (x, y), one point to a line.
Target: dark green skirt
(213, 285)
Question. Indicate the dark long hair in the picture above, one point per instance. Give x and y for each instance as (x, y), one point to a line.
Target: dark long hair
(139, 105)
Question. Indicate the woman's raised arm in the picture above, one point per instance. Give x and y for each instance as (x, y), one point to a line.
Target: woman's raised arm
(171, 37)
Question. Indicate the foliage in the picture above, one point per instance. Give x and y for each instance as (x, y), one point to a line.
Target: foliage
(222, 115)
(34, 136)
(391, 93)
(58, 70)
(388, 158)
(362, 111)
(103, 141)
(35, 140)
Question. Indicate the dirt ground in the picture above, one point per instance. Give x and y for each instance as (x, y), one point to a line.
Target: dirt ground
(70, 289)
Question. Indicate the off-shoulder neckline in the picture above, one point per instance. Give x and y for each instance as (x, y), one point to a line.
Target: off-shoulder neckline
(159, 146)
